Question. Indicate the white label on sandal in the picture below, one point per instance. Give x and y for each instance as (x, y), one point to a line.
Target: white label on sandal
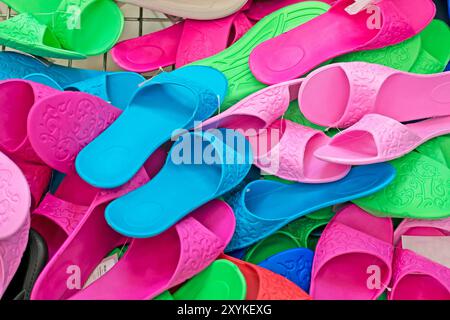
(436, 249)
(102, 268)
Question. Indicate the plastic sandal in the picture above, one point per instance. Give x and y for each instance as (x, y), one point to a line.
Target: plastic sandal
(18, 97)
(377, 138)
(301, 233)
(287, 150)
(298, 51)
(117, 153)
(198, 10)
(32, 263)
(233, 62)
(180, 44)
(370, 88)
(151, 209)
(353, 243)
(15, 223)
(80, 31)
(426, 53)
(263, 284)
(14, 65)
(293, 264)
(170, 258)
(258, 110)
(60, 213)
(23, 32)
(418, 177)
(416, 277)
(265, 206)
(222, 280)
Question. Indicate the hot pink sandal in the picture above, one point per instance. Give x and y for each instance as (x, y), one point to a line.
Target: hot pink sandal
(353, 245)
(340, 94)
(17, 98)
(180, 44)
(286, 149)
(149, 267)
(258, 110)
(337, 32)
(15, 202)
(416, 277)
(376, 138)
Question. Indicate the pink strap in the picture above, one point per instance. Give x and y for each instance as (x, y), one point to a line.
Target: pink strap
(241, 25)
(38, 178)
(395, 28)
(199, 248)
(339, 239)
(391, 137)
(442, 224)
(65, 214)
(267, 105)
(285, 159)
(408, 262)
(365, 81)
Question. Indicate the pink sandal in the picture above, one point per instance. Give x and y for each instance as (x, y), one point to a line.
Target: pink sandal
(165, 260)
(353, 245)
(415, 276)
(180, 44)
(17, 98)
(286, 149)
(258, 110)
(337, 32)
(376, 138)
(351, 90)
(15, 202)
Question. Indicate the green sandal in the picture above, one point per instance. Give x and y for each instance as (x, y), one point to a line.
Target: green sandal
(426, 53)
(421, 189)
(222, 280)
(301, 233)
(233, 62)
(80, 27)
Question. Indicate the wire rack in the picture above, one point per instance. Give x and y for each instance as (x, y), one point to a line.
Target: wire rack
(138, 21)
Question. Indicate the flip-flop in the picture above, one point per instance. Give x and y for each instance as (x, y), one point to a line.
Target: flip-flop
(38, 177)
(293, 264)
(15, 219)
(194, 94)
(32, 263)
(417, 277)
(24, 33)
(294, 53)
(14, 65)
(301, 233)
(193, 9)
(353, 244)
(151, 209)
(180, 44)
(170, 258)
(263, 284)
(376, 138)
(426, 53)
(233, 61)
(359, 88)
(86, 28)
(417, 191)
(286, 149)
(18, 97)
(222, 280)
(265, 206)
(258, 110)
